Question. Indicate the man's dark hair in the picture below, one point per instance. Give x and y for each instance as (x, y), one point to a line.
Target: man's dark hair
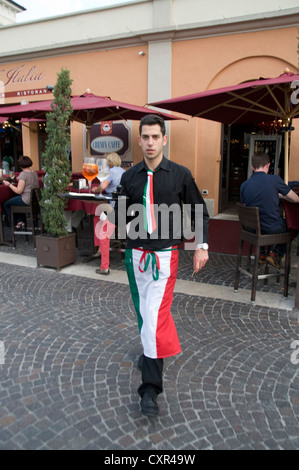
(259, 160)
(151, 120)
(25, 162)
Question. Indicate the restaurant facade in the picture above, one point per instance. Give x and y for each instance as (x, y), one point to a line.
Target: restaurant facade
(149, 50)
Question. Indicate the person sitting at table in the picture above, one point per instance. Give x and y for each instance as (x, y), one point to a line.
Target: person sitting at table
(73, 219)
(27, 180)
(264, 191)
(103, 227)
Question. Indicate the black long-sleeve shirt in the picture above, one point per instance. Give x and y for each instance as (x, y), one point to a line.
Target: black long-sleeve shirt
(173, 188)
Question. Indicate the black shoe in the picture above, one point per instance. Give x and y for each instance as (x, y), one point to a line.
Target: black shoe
(149, 406)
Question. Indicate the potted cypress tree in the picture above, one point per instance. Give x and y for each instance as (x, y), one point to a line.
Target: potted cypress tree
(56, 248)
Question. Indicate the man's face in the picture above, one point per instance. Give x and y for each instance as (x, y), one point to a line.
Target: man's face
(152, 142)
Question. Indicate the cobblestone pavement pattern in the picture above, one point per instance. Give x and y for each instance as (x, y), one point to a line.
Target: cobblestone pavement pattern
(69, 379)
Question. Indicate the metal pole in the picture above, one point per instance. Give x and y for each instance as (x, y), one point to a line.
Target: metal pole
(286, 157)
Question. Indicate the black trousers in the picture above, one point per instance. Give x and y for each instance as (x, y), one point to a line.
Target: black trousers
(279, 250)
(152, 380)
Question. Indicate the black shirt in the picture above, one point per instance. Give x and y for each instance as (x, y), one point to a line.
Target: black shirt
(173, 187)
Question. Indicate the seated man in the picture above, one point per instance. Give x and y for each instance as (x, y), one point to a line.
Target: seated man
(264, 191)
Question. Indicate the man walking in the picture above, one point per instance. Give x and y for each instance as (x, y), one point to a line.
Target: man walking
(152, 251)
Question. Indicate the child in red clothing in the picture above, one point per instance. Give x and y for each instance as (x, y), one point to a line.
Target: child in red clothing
(103, 228)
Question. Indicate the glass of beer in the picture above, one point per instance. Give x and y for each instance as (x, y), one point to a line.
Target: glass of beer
(90, 170)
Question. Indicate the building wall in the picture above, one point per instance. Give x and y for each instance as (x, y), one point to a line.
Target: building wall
(211, 63)
(133, 22)
(118, 73)
(215, 10)
(8, 11)
(186, 50)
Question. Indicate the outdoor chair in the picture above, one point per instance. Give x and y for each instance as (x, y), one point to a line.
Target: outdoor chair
(32, 212)
(251, 233)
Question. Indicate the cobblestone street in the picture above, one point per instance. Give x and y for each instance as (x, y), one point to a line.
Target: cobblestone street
(70, 375)
(149, 205)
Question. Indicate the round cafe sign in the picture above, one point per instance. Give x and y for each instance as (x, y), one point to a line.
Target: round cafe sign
(110, 136)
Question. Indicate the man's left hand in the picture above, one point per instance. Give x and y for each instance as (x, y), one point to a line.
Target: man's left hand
(199, 259)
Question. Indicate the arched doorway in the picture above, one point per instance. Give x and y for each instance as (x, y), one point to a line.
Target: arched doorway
(236, 139)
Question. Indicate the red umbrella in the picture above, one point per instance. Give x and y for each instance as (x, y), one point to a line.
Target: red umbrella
(250, 102)
(253, 101)
(87, 109)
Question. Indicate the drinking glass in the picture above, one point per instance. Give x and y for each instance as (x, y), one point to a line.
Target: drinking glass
(90, 170)
(104, 171)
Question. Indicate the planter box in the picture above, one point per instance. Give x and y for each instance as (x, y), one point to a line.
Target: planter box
(55, 252)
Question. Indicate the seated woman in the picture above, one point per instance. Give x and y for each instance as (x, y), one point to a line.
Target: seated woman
(27, 180)
(103, 228)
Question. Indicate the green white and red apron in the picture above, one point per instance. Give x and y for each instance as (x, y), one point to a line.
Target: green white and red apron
(152, 276)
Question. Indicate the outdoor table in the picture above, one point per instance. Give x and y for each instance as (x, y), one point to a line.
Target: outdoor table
(5, 194)
(291, 210)
(88, 203)
(83, 202)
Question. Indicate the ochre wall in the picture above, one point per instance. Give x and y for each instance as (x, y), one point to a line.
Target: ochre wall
(120, 74)
(197, 65)
(210, 63)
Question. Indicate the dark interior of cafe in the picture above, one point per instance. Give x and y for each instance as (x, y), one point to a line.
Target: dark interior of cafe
(239, 142)
(11, 147)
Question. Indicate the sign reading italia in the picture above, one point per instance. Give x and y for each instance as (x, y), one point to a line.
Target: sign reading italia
(21, 74)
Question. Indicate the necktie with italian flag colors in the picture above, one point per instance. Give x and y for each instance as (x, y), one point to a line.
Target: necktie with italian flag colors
(149, 220)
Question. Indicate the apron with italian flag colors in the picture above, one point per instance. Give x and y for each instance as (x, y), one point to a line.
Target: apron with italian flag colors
(152, 276)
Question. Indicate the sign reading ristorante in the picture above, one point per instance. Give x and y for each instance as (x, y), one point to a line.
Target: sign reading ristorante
(32, 92)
